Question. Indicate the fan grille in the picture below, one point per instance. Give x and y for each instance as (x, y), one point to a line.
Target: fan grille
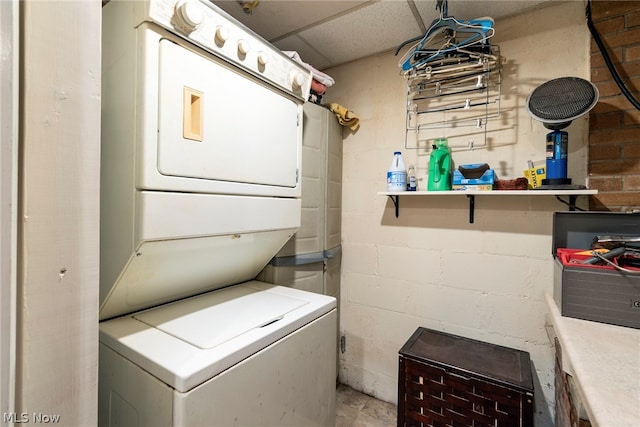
(562, 99)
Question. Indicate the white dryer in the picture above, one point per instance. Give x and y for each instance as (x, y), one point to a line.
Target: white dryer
(200, 187)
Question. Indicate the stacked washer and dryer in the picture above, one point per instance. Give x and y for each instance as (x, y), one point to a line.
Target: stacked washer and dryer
(200, 188)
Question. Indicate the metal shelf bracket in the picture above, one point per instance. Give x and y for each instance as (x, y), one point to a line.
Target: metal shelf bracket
(472, 207)
(396, 202)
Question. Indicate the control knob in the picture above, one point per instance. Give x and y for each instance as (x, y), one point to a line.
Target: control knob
(243, 47)
(188, 14)
(263, 58)
(297, 79)
(222, 34)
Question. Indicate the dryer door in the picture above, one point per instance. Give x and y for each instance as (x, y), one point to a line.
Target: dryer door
(219, 123)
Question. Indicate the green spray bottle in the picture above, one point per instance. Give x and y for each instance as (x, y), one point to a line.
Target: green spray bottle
(440, 166)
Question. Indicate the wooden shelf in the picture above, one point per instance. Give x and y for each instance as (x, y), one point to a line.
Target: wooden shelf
(573, 194)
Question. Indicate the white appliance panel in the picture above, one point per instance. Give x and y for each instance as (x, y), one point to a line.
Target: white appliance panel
(161, 271)
(212, 319)
(183, 365)
(290, 382)
(183, 244)
(165, 215)
(222, 35)
(217, 124)
(131, 117)
(129, 396)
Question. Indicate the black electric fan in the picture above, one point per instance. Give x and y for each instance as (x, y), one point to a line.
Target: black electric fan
(556, 104)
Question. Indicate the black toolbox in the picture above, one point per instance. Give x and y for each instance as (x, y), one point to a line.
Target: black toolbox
(599, 293)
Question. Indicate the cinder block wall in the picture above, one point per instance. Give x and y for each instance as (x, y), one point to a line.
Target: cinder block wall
(429, 266)
(614, 135)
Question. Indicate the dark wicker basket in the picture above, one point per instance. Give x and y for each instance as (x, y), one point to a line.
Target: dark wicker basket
(445, 380)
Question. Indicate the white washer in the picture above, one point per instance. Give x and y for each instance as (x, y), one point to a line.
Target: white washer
(247, 355)
(201, 155)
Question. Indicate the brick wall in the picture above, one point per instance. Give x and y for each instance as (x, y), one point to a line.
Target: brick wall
(614, 137)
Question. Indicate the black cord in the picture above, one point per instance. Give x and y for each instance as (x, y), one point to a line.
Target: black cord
(607, 60)
(571, 206)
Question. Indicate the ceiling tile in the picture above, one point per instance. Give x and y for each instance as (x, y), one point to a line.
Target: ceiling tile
(372, 29)
(332, 32)
(274, 18)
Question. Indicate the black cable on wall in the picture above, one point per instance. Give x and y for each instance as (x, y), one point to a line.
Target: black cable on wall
(607, 60)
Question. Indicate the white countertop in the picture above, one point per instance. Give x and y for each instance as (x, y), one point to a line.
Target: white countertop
(604, 361)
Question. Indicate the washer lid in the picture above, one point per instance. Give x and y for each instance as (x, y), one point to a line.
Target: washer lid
(236, 322)
(212, 319)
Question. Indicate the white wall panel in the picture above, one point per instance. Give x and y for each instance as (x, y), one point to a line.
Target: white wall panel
(59, 212)
(8, 197)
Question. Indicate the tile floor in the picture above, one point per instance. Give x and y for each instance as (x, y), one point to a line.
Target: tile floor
(355, 409)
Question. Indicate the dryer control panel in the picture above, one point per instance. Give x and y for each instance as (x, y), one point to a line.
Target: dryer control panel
(212, 29)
